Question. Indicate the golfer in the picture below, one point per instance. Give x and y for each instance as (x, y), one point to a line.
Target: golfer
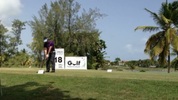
(49, 54)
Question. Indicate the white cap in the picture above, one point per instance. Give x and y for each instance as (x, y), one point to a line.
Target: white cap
(45, 40)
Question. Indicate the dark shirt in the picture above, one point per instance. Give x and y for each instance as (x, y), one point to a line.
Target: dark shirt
(48, 44)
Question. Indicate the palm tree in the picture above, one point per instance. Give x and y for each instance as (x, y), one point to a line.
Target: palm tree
(158, 45)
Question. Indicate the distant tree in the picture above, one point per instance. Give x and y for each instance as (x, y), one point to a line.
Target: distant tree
(158, 45)
(3, 43)
(98, 52)
(39, 30)
(74, 32)
(174, 52)
(132, 64)
(174, 63)
(19, 60)
(116, 61)
(15, 40)
(146, 63)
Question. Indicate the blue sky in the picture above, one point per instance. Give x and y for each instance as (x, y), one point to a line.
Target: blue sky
(117, 28)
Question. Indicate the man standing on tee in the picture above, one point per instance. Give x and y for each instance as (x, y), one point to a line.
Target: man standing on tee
(49, 53)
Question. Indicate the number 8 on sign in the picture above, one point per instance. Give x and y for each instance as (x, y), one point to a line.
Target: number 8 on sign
(58, 59)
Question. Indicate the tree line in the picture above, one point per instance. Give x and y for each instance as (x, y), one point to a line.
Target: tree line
(67, 25)
(75, 30)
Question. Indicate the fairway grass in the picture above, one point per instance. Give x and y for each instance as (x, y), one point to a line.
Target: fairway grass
(26, 84)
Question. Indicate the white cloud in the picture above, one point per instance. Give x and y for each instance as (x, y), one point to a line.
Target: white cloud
(9, 8)
(131, 49)
(129, 46)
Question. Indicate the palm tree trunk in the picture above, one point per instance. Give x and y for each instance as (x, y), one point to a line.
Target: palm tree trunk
(169, 65)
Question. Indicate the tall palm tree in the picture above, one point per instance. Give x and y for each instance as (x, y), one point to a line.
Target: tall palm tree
(158, 45)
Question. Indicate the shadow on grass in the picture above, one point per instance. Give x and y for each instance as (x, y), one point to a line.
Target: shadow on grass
(35, 91)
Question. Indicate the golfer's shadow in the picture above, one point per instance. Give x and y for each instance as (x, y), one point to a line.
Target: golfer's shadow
(36, 91)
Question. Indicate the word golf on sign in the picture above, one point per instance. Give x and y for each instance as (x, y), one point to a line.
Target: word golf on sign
(59, 58)
(75, 62)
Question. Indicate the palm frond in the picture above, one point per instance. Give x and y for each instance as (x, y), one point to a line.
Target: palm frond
(174, 42)
(155, 17)
(155, 45)
(166, 10)
(169, 34)
(163, 55)
(158, 48)
(166, 20)
(175, 12)
(153, 41)
(174, 18)
(147, 28)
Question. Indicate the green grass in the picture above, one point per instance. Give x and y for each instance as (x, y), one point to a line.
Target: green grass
(26, 84)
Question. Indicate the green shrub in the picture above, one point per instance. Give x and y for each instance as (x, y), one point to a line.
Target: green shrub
(119, 69)
(142, 70)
